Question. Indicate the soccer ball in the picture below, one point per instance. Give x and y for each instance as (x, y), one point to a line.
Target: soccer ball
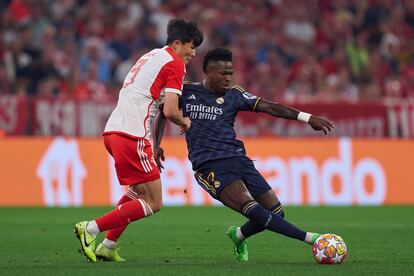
(329, 249)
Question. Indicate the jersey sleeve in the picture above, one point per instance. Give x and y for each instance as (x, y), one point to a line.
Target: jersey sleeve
(246, 101)
(175, 73)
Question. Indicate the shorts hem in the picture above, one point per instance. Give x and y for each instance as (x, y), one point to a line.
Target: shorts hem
(133, 181)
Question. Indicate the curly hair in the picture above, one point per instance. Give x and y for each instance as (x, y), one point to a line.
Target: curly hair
(217, 54)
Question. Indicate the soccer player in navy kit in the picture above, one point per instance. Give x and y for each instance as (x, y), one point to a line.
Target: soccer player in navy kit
(219, 159)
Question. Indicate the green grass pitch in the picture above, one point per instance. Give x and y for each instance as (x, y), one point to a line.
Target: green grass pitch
(191, 241)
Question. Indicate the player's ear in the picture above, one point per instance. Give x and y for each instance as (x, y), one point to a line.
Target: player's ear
(176, 44)
(209, 68)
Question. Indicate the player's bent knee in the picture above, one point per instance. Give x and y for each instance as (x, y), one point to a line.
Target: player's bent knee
(155, 206)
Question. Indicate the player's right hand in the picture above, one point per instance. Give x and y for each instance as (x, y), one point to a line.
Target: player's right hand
(320, 123)
(158, 157)
(186, 125)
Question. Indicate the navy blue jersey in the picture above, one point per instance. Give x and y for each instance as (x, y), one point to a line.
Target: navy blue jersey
(212, 115)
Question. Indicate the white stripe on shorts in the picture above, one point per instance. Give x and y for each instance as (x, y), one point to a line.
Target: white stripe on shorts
(146, 160)
(141, 156)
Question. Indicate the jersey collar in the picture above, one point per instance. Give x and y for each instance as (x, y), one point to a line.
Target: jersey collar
(217, 94)
(170, 51)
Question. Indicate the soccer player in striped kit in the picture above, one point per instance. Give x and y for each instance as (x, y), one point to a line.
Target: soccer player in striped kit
(156, 77)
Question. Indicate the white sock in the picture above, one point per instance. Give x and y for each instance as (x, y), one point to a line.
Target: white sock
(308, 237)
(239, 234)
(109, 244)
(92, 228)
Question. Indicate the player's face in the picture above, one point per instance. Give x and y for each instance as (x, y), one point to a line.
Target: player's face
(220, 75)
(186, 51)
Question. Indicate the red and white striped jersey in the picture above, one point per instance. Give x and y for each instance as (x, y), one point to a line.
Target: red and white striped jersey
(155, 73)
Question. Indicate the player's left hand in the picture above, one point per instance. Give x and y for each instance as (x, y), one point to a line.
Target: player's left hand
(320, 123)
(186, 125)
(158, 157)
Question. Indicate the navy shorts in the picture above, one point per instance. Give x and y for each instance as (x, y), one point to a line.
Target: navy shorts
(213, 176)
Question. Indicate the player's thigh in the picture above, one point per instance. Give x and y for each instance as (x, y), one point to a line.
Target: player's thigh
(235, 195)
(256, 184)
(268, 199)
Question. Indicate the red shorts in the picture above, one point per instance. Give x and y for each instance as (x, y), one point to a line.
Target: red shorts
(134, 162)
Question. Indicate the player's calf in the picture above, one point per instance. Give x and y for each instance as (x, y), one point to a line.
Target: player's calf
(273, 222)
(251, 228)
(123, 215)
(113, 234)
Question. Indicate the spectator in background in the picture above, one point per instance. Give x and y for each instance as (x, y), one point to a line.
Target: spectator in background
(358, 56)
(27, 40)
(409, 12)
(160, 17)
(407, 85)
(95, 52)
(119, 43)
(337, 87)
(148, 38)
(17, 63)
(19, 11)
(39, 23)
(44, 72)
(389, 48)
(90, 88)
(48, 86)
(370, 91)
(298, 26)
(4, 84)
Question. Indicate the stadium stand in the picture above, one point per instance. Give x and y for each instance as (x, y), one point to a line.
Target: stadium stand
(306, 52)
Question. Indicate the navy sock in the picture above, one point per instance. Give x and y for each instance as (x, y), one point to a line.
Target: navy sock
(272, 222)
(251, 228)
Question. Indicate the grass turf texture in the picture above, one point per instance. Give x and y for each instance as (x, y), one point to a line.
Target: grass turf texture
(192, 241)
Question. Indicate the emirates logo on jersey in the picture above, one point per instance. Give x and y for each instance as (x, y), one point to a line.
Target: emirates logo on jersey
(203, 112)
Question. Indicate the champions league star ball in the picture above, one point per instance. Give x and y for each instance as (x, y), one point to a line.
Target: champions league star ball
(329, 249)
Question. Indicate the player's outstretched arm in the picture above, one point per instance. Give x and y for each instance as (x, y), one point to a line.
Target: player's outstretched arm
(286, 112)
(159, 126)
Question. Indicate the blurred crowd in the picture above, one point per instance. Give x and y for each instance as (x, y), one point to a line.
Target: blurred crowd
(284, 50)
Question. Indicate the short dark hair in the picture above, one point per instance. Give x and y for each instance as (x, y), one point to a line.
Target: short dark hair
(217, 54)
(184, 31)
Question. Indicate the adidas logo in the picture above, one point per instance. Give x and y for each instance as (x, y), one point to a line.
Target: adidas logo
(192, 97)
